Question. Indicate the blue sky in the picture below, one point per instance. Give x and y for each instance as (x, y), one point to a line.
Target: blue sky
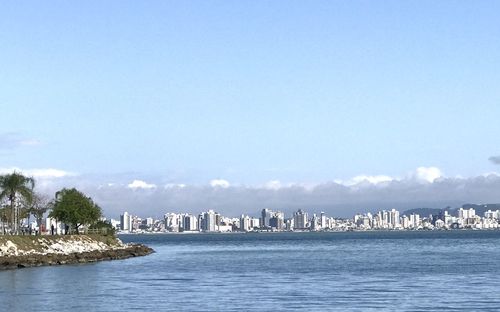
(249, 91)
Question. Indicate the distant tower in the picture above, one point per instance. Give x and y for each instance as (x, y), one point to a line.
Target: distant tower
(266, 214)
(125, 221)
(210, 219)
(300, 220)
(323, 220)
(245, 223)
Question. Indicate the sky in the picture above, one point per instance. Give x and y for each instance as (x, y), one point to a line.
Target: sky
(154, 106)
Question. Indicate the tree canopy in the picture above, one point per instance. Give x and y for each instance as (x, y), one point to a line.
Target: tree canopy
(75, 208)
(13, 187)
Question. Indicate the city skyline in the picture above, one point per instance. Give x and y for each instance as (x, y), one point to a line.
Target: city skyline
(269, 220)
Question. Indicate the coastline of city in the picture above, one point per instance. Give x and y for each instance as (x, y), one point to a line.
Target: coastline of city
(271, 221)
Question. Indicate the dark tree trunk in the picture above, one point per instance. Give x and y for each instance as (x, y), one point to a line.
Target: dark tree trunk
(13, 225)
(39, 223)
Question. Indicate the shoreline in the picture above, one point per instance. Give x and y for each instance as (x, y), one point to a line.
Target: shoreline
(27, 261)
(33, 251)
(302, 232)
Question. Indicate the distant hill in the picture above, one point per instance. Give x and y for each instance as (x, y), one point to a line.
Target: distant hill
(480, 209)
(422, 211)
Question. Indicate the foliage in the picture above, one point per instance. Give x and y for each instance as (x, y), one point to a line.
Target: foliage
(104, 225)
(75, 208)
(15, 186)
(5, 214)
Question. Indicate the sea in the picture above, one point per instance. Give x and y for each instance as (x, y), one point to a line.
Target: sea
(344, 271)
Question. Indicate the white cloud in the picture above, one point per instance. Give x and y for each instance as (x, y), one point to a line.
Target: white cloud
(377, 179)
(219, 183)
(173, 185)
(139, 184)
(43, 173)
(273, 185)
(428, 174)
(421, 174)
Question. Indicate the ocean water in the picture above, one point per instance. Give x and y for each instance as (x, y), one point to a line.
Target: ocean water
(360, 271)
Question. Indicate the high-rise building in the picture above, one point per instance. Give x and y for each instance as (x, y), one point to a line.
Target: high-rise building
(125, 222)
(405, 222)
(172, 222)
(492, 214)
(266, 216)
(190, 223)
(255, 223)
(385, 219)
(277, 222)
(209, 221)
(394, 218)
(314, 224)
(414, 221)
(300, 220)
(323, 221)
(245, 223)
(466, 213)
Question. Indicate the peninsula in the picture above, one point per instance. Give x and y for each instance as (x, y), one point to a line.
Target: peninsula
(31, 251)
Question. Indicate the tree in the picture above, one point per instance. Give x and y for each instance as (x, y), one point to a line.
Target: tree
(39, 205)
(74, 208)
(104, 227)
(5, 217)
(16, 186)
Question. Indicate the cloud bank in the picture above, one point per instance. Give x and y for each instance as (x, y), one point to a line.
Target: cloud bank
(424, 187)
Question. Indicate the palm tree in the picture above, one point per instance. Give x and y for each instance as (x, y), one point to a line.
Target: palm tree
(14, 186)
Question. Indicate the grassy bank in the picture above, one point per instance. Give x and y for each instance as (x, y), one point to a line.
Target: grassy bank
(20, 245)
(30, 251)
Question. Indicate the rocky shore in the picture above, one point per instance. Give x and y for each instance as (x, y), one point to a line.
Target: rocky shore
(30, 251)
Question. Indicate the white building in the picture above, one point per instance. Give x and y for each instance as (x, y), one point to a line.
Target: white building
(492, 214)
(323, 221)
(245, 223)
(255, 223)
(266, 214)
(300, 220)
(209, 221)
(125, 222)
(415, 221)
(394, 218)
(172, 222)
(190, 223)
